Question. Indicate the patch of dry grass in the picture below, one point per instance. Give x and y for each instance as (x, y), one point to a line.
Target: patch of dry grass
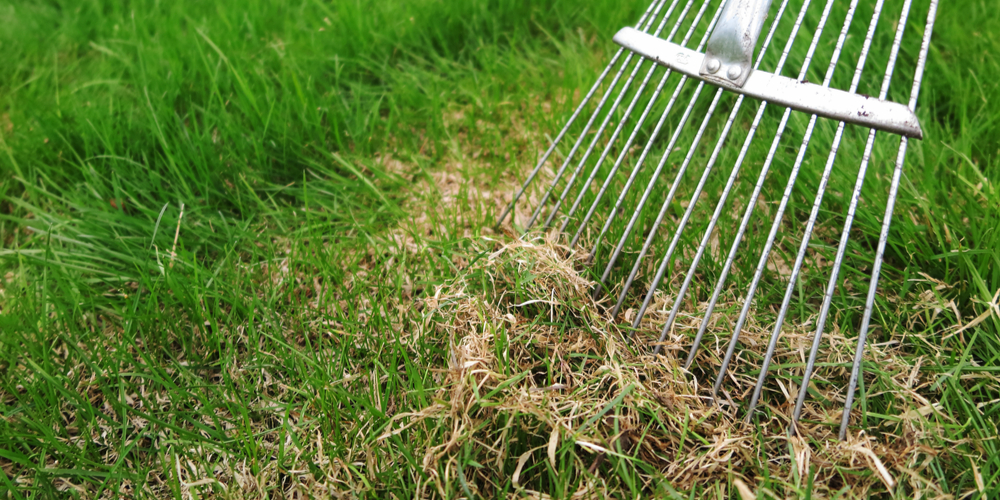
(542, 384)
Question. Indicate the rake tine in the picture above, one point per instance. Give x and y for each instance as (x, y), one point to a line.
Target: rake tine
(886, 222)
(597, 110)
(810, 226)
(607, 119)
(687, 160)
(657, 4)
(762, 264)
(649, 145)
(607, 150)
(849, 219)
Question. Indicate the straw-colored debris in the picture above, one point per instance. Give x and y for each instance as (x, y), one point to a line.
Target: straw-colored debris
(541, 379)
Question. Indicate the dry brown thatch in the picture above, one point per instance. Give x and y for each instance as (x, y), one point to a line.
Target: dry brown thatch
(530, 346)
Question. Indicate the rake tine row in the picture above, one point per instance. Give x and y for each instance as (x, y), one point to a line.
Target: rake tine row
(635, 132)
(762, 264)
(649, 146)
(752, 202)
(656, 174)
(599, 133)
(845, 235)
(729, 185)
(652, 140)
(618, 130)
(810, 226)
(604, 123)
(665, 261)
(670, 195)
(652, 182)
(687, 160)
(886, 222)
(653, 8)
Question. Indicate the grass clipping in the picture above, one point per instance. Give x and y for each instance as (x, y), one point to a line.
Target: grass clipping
(544, 394)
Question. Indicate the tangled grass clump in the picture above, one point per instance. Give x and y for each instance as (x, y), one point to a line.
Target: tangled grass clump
(544, 394)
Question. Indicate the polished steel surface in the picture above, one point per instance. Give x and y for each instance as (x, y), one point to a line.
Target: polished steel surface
(801, 95)
(729, 55)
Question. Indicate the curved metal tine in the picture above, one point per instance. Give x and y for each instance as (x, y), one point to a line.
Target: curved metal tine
(649, 144)
(851, 209)
(811, 224)
(586, 185)
(607, 119)
(762, 264)
(725, 193)
(778, 134)
(680, 173)
(655, 7)
(886, 222)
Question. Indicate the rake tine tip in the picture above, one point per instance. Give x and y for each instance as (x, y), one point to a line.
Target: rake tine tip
(687, 363)
(793, 429)
(617, 309)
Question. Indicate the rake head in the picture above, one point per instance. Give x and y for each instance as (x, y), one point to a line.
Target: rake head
(639, 216)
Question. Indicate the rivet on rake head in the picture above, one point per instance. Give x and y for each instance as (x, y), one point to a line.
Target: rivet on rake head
(713, 65)
(734, 72)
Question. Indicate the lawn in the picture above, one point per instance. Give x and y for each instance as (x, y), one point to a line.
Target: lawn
(248, 251)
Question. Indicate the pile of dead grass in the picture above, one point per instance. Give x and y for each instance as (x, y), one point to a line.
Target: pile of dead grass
(541, 380)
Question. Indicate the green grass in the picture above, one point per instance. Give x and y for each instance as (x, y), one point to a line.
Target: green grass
(221, 222)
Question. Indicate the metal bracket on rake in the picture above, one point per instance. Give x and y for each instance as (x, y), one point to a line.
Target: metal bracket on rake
(729, 55)
(723, 57)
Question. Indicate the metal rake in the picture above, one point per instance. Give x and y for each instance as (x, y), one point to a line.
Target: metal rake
(727, 38)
